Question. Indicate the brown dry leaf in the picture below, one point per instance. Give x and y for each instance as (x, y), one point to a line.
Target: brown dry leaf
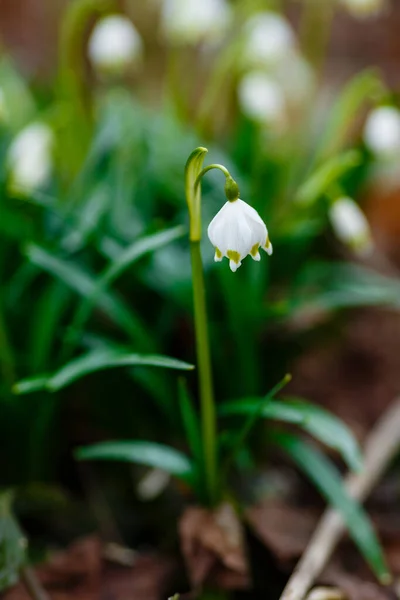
(213, 547)
(80, 573)
(284, 529)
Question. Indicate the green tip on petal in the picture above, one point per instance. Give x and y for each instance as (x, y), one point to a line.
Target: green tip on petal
(234, 256)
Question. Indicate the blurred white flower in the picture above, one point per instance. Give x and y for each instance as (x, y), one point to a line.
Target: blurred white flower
(114, 45)
(192, 21)
(364, 8)
(269, 39)
(236, 231)
(296, 78)
(262, 99)
(382, 132)
(351, 225)
(29, 158)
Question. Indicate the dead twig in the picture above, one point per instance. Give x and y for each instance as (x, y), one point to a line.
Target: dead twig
(382, 444)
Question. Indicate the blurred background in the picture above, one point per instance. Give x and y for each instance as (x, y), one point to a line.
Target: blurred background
(101, 104)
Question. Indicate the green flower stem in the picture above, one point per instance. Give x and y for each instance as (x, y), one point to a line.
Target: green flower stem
(194, 172)
(76, 99)
(315, 29)
(207, 403)
(206, 169)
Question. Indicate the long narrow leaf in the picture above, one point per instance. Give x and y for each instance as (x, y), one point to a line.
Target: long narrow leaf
(190, 421)
(327, 479)
(140, 452)
(98, 360)
(326, 175)
(84, 284)
(125, 260)
(320, 423)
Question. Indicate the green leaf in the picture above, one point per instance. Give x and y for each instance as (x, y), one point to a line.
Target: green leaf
(140, 452)
(125, 259)
(325, 286)
(98, 360)
(366, 87)
(324, 176)
(327, 479)
(190, 421)
(315, 420)
(84, 283)
(138, 249)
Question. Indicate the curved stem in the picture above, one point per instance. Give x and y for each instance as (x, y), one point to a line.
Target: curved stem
(206, 169)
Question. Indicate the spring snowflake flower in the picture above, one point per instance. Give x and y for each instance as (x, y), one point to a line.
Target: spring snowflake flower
(382, 132)
(261, 99)
(115, 44)
(364, 8)
(29, 158)
(192, 21)
(236, 231)
(351, 225)
(269, 39)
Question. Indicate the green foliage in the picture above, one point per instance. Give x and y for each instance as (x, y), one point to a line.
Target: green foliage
(326, 478)
(97, 360)
(140, 452)
(324, 426)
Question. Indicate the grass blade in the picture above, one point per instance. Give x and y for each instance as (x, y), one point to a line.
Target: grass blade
(326, 478)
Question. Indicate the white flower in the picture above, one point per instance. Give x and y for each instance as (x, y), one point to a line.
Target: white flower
(29, 157)
(192, 21)
(114, 44)
(269, 39)
(351, 225)
(382, 132)
(296, 78)
(262, 99)
(236, 231)
(364, 8)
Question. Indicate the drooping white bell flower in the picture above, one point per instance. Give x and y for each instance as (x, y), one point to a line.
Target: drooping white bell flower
(382, 132)
(114, 45)
(268, 40)
(351, 225)
(236, 231)
(194, 21)
(261, 99)
(364, 8)
(29, 158)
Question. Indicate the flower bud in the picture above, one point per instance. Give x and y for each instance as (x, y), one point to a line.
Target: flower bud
(269, 39)
(29, 158)
(364, 8)
(194, 21)
(115, 45)
(382, 132)
(351, 226)
(261, 99)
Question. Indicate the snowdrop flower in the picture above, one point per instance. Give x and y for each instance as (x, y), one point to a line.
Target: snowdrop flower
(192, 21)
(382, 132)
(262, 99)
(269, 39)
(296, 78)
(29, 157)
(114, 45)
(351, 225)
(236, 231)
(364, 8)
